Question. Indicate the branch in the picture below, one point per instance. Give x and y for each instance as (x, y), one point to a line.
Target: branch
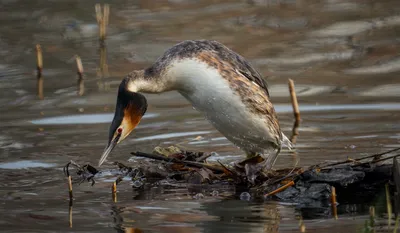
(174, 160)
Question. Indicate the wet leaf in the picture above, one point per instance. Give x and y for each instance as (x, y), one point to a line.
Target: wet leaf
(252, 170)
(206, 174)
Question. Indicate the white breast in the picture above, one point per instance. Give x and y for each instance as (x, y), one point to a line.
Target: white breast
(211, 94)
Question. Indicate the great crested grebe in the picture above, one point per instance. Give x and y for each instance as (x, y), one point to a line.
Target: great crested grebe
(218, 82)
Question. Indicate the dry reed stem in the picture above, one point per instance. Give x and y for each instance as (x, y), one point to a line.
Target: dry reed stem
(102, 20)
(293, 97)
(103, 61)
(296, 111)
(114, 192)
(79, 64)
(39, 58)
(280, 189)
(70, 188)
(333, 202)
(302, 226)
(39, 68)
(396, 224)
(70, 200)
(40, 87)
(388, 204)
(70, 215)
(372, 217)
(106, 15)
(97, 8)
(81, 87)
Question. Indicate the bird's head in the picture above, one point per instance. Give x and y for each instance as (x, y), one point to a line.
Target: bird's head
(130, 108)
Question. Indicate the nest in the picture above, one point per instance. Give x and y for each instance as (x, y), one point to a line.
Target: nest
(311, 185)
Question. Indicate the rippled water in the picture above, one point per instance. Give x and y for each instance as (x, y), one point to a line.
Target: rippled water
(342, 55)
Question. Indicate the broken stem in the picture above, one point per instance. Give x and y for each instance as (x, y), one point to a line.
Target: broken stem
(39, 68)
(102, 20)
(106, 14)
(81, 87)
(70, 214)
(396, 224)
(388, 204)
(79, 65)
(114, 191)
(103, 70)
(174, 160)
(280, 189)
(39, 59)
(302, 226)
(372, 216)
(333, 202)
(296, 111)
(70, 188)
(97, 8)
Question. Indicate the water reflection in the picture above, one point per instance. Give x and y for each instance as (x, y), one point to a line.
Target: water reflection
(204, 216)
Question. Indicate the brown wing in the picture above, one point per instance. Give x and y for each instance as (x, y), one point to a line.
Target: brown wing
(243, 66)
(253, 75)
(192, 48)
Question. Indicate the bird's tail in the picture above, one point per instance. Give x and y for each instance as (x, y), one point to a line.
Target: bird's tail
(286, 142)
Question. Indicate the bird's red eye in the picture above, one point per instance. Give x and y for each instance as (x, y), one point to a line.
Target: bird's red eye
(119, 130)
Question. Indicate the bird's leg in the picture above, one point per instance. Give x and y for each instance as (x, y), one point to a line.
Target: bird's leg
(270, 159)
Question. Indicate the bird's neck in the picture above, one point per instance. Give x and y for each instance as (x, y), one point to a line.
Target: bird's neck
(148, 82)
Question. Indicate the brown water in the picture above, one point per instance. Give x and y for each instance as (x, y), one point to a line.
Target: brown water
(342, 55)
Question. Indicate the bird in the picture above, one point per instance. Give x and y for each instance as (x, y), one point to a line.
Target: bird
(219, 83)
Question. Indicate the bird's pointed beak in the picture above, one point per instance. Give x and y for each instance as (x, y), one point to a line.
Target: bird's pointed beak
(109, 148)
(129, 110)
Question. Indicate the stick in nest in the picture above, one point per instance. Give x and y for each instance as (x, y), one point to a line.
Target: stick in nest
(362, 158)
(280, 189)
(214, 168)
